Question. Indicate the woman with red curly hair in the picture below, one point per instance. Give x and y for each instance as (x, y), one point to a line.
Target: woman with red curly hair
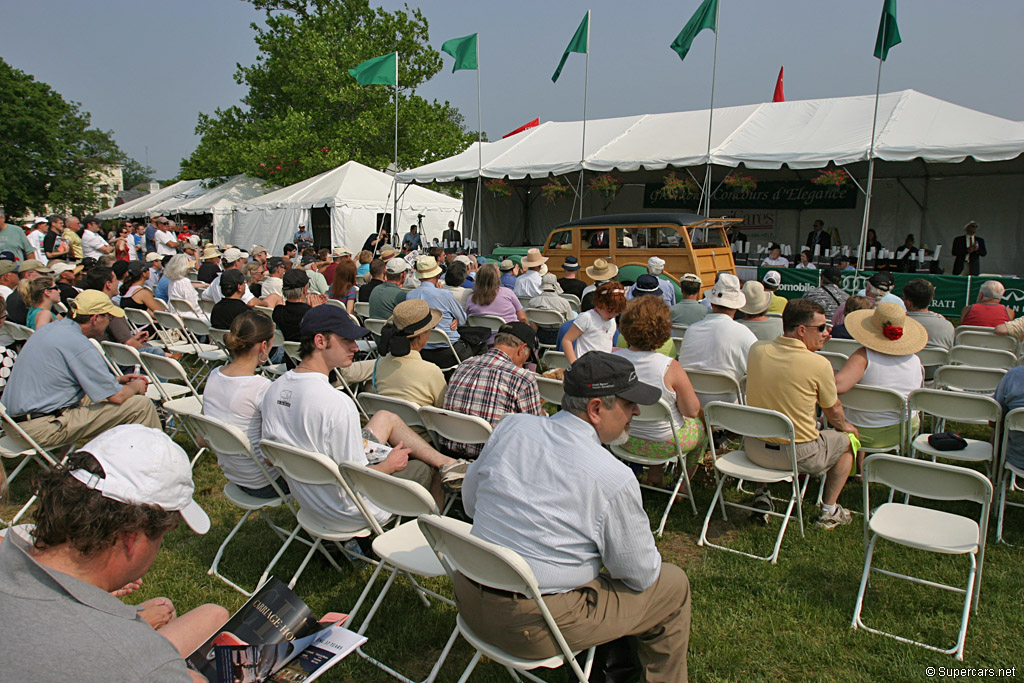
(647, 325)
(594, 330)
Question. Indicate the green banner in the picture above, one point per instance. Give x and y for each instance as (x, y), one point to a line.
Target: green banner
(952, 292)
(769, 194)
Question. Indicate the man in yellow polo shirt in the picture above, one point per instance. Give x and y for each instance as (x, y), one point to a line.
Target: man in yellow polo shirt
(786, 375)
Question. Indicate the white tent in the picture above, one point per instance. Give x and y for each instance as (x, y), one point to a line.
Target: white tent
(217, 201)
(354, 195)
(928, 178)
(141, 207)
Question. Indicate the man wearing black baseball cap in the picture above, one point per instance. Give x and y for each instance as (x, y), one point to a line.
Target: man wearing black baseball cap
(302, 409)
(546, 488)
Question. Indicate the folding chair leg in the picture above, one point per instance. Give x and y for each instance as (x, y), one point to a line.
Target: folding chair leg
(711, 510)
(366, 592)
(472, 665)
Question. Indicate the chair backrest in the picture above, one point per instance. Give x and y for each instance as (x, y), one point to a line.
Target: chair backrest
(407, 410)
(544, 318)
(923, 479)
(985, 339)
(224, 438)
(969, 378)
(124, 356)
(932, 356)
(836, 359)
(491, 322)
(167, 369)
(138, 317)
(17, 332)
(397, 496)
(749, 421)
(980, 357)
(554, 359)
(574, 301)
(362, 309)
(679, 330)
(60, 308)
(454, 426)
(265, 310)
(374, 325)
(278, 337)
(956, 406)
(1013, 421)
(181, 306)
(110, 364)
(551, 390)
(843, 346)
(441, 337)
(713, 382)
(14, 431)
(291, 349)
(217, 337)
(196, 326)
(206, 306)
(874, 400)
(168, 320)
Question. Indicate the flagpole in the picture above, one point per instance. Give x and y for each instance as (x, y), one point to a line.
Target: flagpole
(479, 151)
(394, 178)
(863, 248)
(583, 143)
(711, 118)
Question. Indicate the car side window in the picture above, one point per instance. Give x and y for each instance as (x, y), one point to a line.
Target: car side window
(561, 240)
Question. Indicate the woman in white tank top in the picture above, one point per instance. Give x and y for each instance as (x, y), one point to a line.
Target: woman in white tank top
(647, 324)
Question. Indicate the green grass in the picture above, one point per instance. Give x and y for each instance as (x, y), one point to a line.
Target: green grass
(751, 621)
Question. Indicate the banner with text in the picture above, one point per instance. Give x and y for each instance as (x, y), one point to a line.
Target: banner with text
(769, 194)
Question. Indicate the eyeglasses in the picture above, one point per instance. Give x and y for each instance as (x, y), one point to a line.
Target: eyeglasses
(821, 328)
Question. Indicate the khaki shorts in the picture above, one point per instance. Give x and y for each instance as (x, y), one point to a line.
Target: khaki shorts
(417, 470)
(812, 457)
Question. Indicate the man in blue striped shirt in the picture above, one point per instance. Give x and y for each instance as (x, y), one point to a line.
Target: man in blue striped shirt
(547, 489)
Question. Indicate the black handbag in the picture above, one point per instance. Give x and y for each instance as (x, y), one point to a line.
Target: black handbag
(947, 441)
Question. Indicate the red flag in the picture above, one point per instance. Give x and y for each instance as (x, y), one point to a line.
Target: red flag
(520, 129)
(779, 95)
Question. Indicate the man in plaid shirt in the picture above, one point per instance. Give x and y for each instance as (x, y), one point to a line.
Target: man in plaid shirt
(495, 384)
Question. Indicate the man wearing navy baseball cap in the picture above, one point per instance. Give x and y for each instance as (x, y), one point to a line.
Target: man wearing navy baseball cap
(302, 409)
(546, 488)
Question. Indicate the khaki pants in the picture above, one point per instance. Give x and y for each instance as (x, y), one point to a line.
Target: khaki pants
(87, 421)
(595, 613)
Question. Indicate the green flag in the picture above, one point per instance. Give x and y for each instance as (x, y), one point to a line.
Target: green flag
(888, 31)
(706, 16)
(377, 71)
(580, 43)
(464, 51)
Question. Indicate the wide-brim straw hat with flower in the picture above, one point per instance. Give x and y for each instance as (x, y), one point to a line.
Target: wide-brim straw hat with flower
(602, 271)
(887, 329)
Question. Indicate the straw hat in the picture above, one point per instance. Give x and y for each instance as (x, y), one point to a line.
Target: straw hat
(426, 267)
(887, 329)
(534, 259)
(413, 317)
(210, 252)
(602, 271)
(758, 298)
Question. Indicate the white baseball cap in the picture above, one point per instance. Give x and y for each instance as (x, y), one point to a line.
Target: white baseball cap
(143, 466)
(233, 254)
(655, 265)
(397, 265)
(153, 256)
(772, 278)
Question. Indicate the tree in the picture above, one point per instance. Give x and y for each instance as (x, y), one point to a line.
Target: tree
(49, 149)
(135, 173)
(304, 114)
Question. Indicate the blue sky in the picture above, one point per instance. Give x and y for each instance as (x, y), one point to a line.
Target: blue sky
(145, 69)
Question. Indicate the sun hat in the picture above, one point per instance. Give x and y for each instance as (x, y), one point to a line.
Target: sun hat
(462, 258)
(570, 263)
(534, 259)
(690, 277)
(507, 265)
(257, 250)
(426, 267)
(61, 267)
(143, 466)
(646, 284)
(294, 279)
(387, 254)
(772, 278)
(655, 265)
(209, 252)
(336, 319)
(34, 266)
(39, 220)
(887, 329)
(233, 254)
(414, 316)
(95, 302)
(397, 265)
(758, 298)
(598, 373)
(340, 251)
(602, 271)
(726, 292)
(549, 283)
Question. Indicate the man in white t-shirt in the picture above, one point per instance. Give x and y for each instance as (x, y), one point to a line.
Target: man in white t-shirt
(775, 258)
(302, 409)
(36, 238)
(93, 245)
(718, 343)
(166, 240)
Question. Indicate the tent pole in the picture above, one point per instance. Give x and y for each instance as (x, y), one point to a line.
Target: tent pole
(476, 228)
(863, 249)
(583, 142)
(711, 118)
(394, 178)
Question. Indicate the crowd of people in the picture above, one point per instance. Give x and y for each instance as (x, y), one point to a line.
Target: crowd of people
(587, 538)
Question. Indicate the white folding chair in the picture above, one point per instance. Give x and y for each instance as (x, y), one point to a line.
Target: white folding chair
(961, 329)
(551, 390)
(554, 359)
(836, 359)
(677, 343)
(455, 427)
(19, 333)
(139, 318)
(206, 306)
(204, 353)
(124, 356)
(182, 406)
(228, 440)
(209, 355)
(441, 337)
(545, 319)
(16, 443)
(843, 346)
(574, 301)
(182, 306)
(491, 322)
(408, 411)
(979, 357)
(967, 378)
(679, 331)
(1013, 422)
(926, 529)
(714, 382)
(363, 309)
(310, 467)
(491, 565)
(985, 339)
(756, 423)
(374, 325)
(867, 399)
(932, 358)
(957, 407)
(661, 412)
(402, 550)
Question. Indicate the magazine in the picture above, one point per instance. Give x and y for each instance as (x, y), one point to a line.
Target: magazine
(272, 628)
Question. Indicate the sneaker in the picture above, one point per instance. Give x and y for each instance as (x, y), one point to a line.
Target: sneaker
(762, 501)
(840, 516)
(453, 474)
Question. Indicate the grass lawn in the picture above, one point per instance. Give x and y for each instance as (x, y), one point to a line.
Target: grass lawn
(751, 621)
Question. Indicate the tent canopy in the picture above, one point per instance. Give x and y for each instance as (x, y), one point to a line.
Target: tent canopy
(140, 207)
(800, 134)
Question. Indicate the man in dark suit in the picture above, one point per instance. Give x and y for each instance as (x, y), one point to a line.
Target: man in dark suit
(819, 236)
(968, 250)
(599, 239)
(451, 240)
